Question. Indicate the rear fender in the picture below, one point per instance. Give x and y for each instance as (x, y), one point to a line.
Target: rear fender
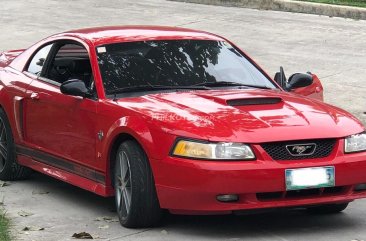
(8, 56)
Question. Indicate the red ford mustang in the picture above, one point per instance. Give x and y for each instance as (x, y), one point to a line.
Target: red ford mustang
(174, 119)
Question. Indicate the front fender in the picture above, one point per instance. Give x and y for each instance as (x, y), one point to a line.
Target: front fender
(132, 126)
(152, 139)
(155, 142)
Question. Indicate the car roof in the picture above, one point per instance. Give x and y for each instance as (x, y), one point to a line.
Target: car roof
(114, 34)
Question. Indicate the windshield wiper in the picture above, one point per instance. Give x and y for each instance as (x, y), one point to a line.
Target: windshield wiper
(140, 88)
(224, 83)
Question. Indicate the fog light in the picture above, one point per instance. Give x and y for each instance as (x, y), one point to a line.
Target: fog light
(360, 187)
(227, 198)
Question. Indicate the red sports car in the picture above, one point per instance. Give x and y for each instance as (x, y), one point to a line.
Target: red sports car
(174, 119)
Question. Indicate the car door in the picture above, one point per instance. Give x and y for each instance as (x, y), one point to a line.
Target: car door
(61, 127)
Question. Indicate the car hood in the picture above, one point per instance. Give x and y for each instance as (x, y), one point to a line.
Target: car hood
(247, 115)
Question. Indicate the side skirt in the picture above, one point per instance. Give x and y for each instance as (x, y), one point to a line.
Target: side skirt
(75, 174)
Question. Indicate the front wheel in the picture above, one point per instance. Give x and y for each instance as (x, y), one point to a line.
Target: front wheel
(135, 194)
(328, 208)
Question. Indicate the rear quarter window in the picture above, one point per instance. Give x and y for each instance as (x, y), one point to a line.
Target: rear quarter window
(36, 64)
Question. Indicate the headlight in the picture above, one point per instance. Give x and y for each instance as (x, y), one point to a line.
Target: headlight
(214, 151)
(355, 143)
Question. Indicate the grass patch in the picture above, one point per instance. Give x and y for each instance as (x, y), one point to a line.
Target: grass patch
(4, 227)
(353, 3)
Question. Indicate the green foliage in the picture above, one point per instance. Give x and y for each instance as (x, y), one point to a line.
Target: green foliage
(353, 3)
(4, 227)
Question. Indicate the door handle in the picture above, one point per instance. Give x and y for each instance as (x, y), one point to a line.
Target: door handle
(34, 96)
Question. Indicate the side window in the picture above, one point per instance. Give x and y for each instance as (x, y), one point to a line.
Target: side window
(36, 65)
(70, 62)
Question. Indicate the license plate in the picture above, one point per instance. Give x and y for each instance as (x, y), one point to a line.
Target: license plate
(313, 177)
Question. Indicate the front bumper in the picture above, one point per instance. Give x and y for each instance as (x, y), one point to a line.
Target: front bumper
(191, 186)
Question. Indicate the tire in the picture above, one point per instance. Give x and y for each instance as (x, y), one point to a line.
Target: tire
(10, 170)
(328, 208)
(136, 201)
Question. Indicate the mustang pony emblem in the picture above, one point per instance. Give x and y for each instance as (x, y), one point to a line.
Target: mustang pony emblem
(301, 149)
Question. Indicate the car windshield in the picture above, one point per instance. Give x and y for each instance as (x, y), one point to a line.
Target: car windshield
(176, 63)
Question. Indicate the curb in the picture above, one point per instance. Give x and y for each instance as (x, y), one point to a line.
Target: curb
(290, 6)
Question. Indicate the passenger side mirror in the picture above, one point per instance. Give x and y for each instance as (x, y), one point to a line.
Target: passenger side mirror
(299, 80)
(295, 81)
(75, 87)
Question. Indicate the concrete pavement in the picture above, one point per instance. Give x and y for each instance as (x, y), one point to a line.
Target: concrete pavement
(334, 48)
(290, 6)
(62, 210)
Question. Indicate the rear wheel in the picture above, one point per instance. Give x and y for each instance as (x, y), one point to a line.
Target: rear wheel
(328, 208)
(9, 168)
(136, 200)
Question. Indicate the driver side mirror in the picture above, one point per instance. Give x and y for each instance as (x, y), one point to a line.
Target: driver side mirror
(75, 87)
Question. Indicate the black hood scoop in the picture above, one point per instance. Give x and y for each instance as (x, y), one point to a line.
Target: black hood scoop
(254, 101)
